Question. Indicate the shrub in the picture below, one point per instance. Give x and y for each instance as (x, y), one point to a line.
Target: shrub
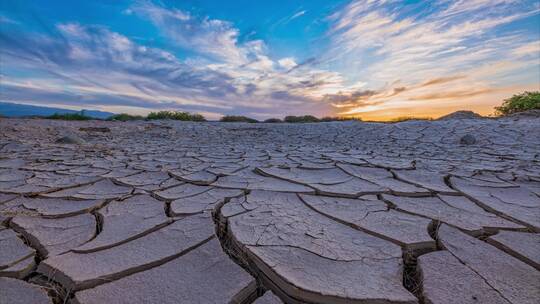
(273, 120)
(301, 119)
(125, 117)
(70, 116)
(175, 115)
(519, 103)
(233, 118)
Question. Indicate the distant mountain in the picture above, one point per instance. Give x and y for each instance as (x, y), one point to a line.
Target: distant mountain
(20, 110)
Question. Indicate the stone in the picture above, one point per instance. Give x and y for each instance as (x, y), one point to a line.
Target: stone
(76, 271)
(522, 245)
(467, 139)
(55, 236)
(513, 279)
(203, 275)
(15, 291)
(126, 220)
(445, 280)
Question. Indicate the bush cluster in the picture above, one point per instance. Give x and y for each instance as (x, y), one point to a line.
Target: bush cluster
(234, 118)
(519, 103)
(70, 116)
(125, 117)
(175, 115)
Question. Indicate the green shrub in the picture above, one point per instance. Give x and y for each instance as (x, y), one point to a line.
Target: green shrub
(519, 103)
(125, 117)
(175, 115)
(301, 119)
(70, 116)
(273, 120)
(234, 118)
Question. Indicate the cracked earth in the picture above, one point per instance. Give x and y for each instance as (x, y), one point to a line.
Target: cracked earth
(344, 212)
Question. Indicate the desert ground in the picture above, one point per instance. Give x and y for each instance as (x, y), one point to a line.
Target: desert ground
(443, 211)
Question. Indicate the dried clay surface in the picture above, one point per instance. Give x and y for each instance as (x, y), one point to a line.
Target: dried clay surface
(339, 212)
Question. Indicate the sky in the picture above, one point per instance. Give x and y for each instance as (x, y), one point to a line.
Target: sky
(376, 60)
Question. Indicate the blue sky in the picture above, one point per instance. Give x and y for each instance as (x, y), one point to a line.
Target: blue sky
(373, 59)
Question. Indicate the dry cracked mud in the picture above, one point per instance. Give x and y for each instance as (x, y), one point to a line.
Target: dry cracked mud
(341, 212)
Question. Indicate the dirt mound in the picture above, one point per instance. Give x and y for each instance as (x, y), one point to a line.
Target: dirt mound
(461, 115)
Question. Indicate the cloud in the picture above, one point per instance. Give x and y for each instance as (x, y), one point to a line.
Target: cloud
(437, 51)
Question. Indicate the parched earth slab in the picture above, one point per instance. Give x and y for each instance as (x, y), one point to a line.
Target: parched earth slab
(513, 279)
(203, 275)
(373, 216)
(457, 211)
(383, 178)
(49, 207)
(56, 181)
(181, 191)
(146, 180)
(427, 179)
(248, 180)
(104, 189)
(125, 220)
(522, 245)
(332, 181)
(516, 202)
(55, 236)
(205, 201)
(445, 280)
(307, 176)
(310, 257)
(4, 197)
(77, 271)
(13, 249)
(21, 269)
(268, 298)
(201, 177)
(15, 291)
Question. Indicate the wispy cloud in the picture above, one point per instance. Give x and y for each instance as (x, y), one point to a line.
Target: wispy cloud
(434, 48)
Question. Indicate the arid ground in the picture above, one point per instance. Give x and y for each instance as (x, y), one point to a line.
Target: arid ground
(345, 212)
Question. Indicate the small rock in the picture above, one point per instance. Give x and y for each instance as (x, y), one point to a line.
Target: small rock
(467, 140)
(70, 140)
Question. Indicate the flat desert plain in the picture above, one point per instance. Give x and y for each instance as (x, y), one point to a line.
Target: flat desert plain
(443, 211)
